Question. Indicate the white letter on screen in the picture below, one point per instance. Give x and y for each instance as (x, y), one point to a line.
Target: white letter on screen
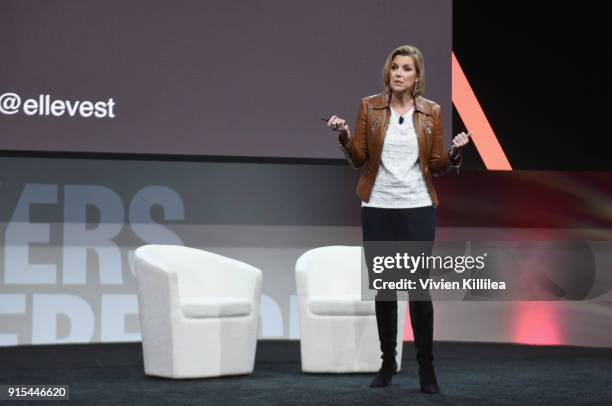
(78, 238)
(20, 233)
(45, 312)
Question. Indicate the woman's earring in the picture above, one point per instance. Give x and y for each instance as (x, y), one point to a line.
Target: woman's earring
(414, 89)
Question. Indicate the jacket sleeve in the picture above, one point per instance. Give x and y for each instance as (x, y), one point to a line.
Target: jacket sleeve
(439, 159)
(355, 148)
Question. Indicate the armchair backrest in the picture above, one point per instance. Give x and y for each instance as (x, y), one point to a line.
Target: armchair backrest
(203, 273)
(329, 271)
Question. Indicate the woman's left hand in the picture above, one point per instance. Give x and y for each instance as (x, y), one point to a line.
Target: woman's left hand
(460, 141)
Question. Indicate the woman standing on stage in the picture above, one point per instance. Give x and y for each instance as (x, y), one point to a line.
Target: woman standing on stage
(398, 144)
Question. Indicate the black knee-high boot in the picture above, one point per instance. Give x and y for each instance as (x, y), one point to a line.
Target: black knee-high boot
(421, 319)
(386, 320)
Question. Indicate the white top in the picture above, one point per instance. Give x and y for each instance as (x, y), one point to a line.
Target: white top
(400, 183)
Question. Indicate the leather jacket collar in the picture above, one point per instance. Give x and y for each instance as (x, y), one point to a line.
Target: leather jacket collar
(381, 101)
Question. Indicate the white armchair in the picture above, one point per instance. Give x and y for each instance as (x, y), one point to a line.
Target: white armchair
(199, 312)
(338, 329)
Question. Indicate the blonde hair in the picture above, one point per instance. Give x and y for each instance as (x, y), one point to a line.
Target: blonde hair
(419, 64)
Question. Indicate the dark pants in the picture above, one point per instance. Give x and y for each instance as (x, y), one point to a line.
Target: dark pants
(417, 224)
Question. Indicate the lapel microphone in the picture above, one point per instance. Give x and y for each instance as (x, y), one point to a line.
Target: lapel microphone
(401, 120)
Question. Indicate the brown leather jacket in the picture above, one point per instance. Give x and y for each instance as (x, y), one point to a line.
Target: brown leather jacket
(364, 148)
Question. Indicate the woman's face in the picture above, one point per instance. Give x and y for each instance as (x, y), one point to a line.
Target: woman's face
(402, 73)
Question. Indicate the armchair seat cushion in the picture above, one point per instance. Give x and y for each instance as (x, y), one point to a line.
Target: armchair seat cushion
(341, 306)
(214, 307)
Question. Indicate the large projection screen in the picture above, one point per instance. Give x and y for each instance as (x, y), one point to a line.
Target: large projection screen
(208, 78)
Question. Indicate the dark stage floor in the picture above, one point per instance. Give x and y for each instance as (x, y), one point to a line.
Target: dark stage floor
(469, 373)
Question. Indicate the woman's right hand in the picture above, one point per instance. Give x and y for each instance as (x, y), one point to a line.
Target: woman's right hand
(338, 124)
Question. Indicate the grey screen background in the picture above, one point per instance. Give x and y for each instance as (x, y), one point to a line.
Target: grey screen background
(241, 78)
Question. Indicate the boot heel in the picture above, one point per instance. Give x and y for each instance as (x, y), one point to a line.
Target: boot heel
(382, 380)
(429, 383)
(384, 377)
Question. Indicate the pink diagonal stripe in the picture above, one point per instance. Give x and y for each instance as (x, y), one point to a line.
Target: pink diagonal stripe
(475, 120)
